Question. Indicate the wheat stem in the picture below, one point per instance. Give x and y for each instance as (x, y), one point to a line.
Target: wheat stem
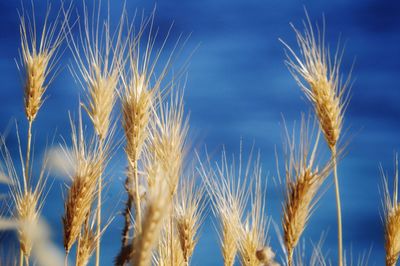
(127, 215)
(100, 188)
(21, 257)
(66, 259)
(138, 221)
(338, 208)
(28, 155)
(290, 258)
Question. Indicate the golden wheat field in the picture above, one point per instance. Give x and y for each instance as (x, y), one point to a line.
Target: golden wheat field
(125, 180)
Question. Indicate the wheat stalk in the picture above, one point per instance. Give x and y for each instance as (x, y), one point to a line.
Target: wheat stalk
(303, 180)
(391, 218)
(323, 86)
(157, 206)
(99, 55)
(139, 90)
(38, 57)
(28, 201)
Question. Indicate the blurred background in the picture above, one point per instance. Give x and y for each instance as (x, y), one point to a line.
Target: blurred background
(238, 88)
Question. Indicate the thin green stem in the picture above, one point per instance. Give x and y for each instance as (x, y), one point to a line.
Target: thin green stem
(338, 208)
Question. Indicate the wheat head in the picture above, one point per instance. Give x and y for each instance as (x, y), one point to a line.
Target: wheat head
(225, 186)
(252, 234)
(391, 219)
(86, 244)
(303, 180)
(82, 191)
(323, 84)
(189, 208)
(39, 53)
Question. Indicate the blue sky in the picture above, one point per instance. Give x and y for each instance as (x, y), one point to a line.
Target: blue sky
(239, 88)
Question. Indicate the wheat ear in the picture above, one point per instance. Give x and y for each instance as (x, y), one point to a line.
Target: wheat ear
(39, 54)
(324, 88)
(229, 198)
(391, 218)
(252, 234)
(82, 192)
(303, 180)
(189, 208)
(139, 90)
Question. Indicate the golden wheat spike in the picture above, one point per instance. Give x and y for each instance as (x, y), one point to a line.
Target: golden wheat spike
(189, 208)
(253, 231)
(391, 218)
(229, 196)
(39, 53)
(82, 192)
(323, 84)
(303, 181)
(98, 53)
